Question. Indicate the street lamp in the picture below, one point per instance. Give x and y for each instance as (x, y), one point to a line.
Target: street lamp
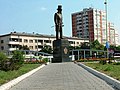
(107, 44)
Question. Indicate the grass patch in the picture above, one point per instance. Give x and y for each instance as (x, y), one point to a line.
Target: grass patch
(9, 75)
(112, 70)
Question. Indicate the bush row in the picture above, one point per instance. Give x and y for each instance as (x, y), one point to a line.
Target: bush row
(13, 63)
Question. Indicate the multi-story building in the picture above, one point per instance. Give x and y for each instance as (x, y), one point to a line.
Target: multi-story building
(12, 41)
(111, 34)
(116, 38)
(91, 24)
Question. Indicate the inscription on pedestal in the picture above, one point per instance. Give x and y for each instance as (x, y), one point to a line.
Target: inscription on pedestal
(61, 50)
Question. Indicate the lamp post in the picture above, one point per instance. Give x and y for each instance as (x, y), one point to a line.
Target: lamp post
(107, 44)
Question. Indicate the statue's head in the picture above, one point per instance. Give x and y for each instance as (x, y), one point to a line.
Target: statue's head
(59, 8)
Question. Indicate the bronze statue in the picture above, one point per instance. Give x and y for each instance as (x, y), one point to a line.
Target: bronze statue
(58, 22)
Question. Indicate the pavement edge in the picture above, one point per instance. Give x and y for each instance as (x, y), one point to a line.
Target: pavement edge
(13, 82)
(113, 82)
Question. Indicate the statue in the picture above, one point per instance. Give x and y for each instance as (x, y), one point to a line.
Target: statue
(60, 45)
(58, 22)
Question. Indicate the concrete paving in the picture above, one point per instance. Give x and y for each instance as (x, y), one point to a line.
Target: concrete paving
(62, 76)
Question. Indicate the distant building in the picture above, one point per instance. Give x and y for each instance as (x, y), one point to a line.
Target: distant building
(111, 34)
(91, 24)
(116, 38)
(12, 41)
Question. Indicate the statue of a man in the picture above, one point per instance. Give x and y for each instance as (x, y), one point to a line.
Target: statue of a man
(58, 22)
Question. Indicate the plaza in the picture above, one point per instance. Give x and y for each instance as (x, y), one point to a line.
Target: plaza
(62, 76)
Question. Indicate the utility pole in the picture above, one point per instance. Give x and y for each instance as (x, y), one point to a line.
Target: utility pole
(107, 44)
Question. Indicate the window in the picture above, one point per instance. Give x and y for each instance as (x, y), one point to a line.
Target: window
(2, 41)
(25, 40)
(31, 47)
(36, 41)
(71, 42)
(20, 40)
(77, 42)
(2, 47)
(30, 41)
(46, 41)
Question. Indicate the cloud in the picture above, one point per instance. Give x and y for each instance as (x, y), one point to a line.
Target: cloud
(43, 8)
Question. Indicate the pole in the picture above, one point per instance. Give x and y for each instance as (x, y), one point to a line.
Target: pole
(37, 47)
(106, 26)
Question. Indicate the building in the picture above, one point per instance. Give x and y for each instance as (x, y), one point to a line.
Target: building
(91, 24)
(116, 38)
(35, 42)
(111, 34)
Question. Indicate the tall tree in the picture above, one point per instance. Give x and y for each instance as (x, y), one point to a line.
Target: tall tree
(96, 45)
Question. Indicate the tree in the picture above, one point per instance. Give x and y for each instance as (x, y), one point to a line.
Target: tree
(96, 45)
(46, 49)
(24, 47)
(17, 59)
(2, 57)
(118, 47)
(85, 45)
(71, 47)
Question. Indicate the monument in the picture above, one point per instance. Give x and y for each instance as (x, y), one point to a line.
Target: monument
(60, 45)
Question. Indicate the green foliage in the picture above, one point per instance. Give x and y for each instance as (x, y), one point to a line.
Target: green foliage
(45, 60)
(107, 68)
(96, 45)
(3, 60)
(24, 47)
(85, 45)
(112, 70)
(9, 75)
(40, 57)
(46, 49)
(103, 62)
(2, 57)
(17, 60)
(118, 47)
(18, 57)
(14, 63)
(118, 63)
(71, 47)
(115, 47)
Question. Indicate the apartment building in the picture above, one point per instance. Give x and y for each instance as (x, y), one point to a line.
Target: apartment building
(116, 38)
(111, 34)
(12, 41)
(91, 24)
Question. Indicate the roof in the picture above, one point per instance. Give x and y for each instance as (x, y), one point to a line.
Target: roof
(39, 35)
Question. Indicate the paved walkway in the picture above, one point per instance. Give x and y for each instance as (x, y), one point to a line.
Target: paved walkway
(62, 76)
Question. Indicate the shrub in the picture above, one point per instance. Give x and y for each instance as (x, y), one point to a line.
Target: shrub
(102, 62)
(45, 60)
(17, 60)
(3, 58)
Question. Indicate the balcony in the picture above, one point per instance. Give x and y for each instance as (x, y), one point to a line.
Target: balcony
(12, 49)
(13, 42)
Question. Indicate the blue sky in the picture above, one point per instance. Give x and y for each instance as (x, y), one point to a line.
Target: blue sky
(37, 15)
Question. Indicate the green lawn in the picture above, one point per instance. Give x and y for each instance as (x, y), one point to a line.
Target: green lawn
(9, 75)
(109, 69)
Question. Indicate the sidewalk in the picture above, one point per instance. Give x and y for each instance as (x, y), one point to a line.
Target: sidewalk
(62, 76)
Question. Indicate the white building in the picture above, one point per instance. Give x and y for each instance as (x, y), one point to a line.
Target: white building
(35, 42)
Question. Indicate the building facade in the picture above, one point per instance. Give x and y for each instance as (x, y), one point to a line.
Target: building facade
(35, 42)
(91, 24)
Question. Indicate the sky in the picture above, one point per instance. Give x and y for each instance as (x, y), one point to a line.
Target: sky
(37, 15)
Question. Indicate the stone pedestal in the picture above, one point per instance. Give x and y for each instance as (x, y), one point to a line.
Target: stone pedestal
(60, 51)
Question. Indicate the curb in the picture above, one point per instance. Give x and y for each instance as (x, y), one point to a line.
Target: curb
(13, 82)
(113, 82)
